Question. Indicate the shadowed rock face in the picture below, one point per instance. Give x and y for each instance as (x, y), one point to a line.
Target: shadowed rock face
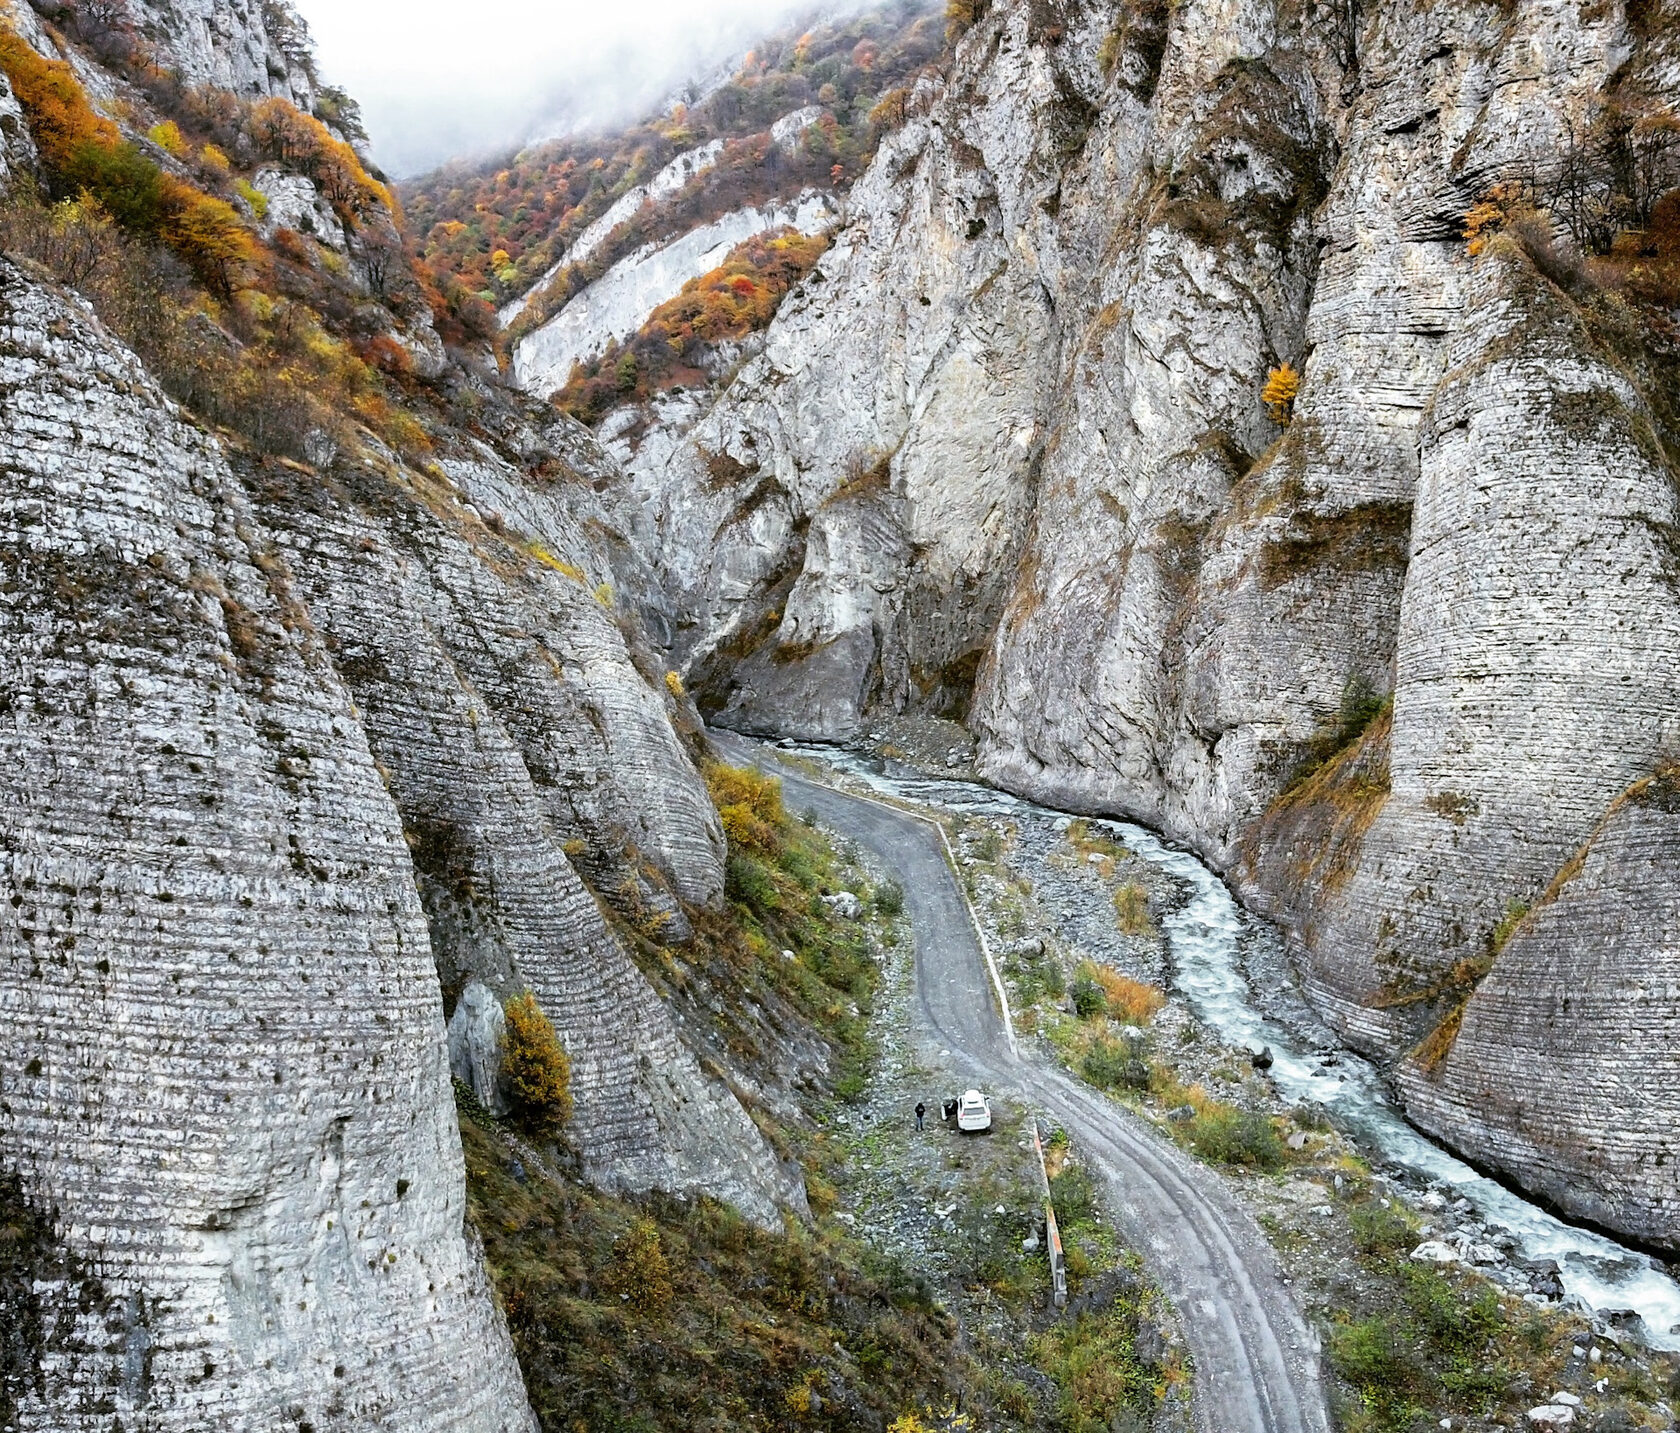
(220, 1032)
(517, 736)
(1011, 430)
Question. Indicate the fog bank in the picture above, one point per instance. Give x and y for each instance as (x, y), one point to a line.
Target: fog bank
(438, 80)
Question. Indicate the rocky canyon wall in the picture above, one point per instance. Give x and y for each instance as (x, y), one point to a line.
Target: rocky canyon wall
(221, 1031)
(293, 756)
(1005, 455)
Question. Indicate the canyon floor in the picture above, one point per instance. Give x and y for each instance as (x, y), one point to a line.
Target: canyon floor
(1289, 1282)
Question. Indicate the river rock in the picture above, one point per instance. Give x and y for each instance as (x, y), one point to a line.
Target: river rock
(1434, 1251)
(1551, 1415)
(1545, 1278)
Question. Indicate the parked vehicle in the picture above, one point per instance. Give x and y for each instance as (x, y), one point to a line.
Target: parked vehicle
(974, 1112)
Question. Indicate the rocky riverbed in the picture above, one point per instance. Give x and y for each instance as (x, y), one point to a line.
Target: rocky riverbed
(1356, 1241)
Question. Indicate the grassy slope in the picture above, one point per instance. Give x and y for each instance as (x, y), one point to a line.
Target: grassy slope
(657, 1313)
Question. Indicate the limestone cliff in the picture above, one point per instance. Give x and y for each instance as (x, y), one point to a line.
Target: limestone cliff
(221, 1062)
(292, 755)
(1005, 455)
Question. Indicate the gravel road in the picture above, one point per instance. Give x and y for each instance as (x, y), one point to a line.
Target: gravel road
(1256, 1359)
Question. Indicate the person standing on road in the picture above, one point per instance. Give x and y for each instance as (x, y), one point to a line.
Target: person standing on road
(921, 1110)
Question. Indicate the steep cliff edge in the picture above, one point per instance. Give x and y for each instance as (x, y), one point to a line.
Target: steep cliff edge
(311, 723)
(220, 1040)
(1005, 454)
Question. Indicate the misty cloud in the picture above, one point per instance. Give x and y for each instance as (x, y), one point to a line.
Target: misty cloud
(439, 80)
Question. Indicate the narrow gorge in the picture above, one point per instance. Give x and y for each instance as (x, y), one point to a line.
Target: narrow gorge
(1397, 654)
(1255, 420)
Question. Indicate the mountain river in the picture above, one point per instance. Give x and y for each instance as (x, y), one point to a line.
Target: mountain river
(1206, 937)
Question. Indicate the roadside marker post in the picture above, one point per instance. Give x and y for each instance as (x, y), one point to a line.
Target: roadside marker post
(1052, 1232)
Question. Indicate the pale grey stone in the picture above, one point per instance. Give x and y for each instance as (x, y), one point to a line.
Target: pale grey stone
(475, 1035)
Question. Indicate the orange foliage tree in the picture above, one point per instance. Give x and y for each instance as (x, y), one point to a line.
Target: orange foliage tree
(302, 142)
(738, 297)
(84, 153)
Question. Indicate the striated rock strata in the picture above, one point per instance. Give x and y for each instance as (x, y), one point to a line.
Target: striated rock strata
(1566, 1053)
(517, 738)
(221, 1058)
(1005, 455)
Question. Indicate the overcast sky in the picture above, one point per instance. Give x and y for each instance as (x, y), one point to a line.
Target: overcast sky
(438, 79)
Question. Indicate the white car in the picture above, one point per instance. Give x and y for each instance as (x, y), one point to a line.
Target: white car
(973, 1112)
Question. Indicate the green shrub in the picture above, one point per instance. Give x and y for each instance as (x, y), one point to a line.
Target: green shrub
(1231, 1136)
(1131, 910)
(1372, 1357)
(123, 180)
(747, 881)
(1093, 1361)
(1074, 1194)
(535, 1070)
(1110, 1063)
(1088, 997)
(889, 898)
(641, 1273)
(1380, 1231)
(254, 197)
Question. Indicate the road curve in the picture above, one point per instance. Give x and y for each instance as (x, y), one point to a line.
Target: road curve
(1257, 1364)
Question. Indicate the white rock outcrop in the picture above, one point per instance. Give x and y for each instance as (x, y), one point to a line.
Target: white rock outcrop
(475, 1033)
(670, 180)
(294, 202)
(17, 145)
(787, 132)
(617, 304)
(252, 47)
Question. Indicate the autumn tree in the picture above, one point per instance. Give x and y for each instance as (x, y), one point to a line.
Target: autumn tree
(1283, 383)
(535, 1070)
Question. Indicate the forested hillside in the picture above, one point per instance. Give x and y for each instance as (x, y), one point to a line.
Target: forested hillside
(498, 228)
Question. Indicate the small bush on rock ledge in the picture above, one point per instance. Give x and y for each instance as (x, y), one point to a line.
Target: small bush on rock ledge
(535, 1070)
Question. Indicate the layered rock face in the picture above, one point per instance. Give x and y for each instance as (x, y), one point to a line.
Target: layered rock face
(1012, 429)
(1538, 661)
(1566, 1055)
(517, 738)
(294, 758)
(220, 1039)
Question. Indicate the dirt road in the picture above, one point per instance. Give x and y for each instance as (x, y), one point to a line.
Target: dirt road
(1256, 1359)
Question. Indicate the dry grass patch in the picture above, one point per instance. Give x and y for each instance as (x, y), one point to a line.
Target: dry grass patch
(1131, 910)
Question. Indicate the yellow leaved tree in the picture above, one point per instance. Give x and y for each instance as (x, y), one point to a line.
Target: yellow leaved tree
(1282, 385)
(535, 1069)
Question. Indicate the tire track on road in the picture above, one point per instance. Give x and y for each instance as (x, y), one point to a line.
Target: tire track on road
(1257, 1362)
